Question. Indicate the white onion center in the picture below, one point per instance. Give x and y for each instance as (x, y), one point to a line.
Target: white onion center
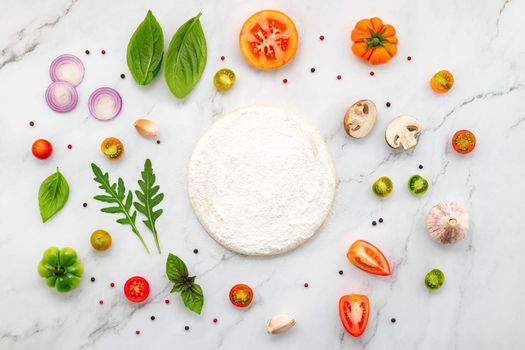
(69, 71)
(105, 106)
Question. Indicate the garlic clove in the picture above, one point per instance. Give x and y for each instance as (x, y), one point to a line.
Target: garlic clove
(146, 127)
(280, 323)
(447, 222)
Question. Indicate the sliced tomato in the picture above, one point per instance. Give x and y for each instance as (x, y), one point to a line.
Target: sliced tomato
(354, 310)
(268, 39)
(241, 295)
(136, 289)
(368, 258)
(112, 148)
(463, 141)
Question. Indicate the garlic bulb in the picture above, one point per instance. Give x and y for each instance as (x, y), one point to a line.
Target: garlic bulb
(146, 127)
(280, 323)
(447, 222)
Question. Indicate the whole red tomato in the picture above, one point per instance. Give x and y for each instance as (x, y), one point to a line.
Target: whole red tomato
(42, 149)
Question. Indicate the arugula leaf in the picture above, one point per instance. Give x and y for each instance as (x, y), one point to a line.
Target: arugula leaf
(116, 194)
(148, 199)
(193, 298)
(186, 58)
(52, 195)
(191, 293)
(146, 50)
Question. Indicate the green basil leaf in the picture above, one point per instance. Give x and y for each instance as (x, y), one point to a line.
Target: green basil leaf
(186, 58)
(52, 195)
(176, 269)
(145, 50)
(193, 298)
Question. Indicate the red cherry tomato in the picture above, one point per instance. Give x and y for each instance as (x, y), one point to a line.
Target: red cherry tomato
(354, 310)
(136, 289)
(368, 258)
(42, 149)
(241, 295)
(463, 141)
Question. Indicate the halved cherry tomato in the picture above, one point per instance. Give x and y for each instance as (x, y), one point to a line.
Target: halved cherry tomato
(136, 289)
(112, 148)
(463, 141)
(241, 295)
(42, 149)
(268, 39)
(368, 258)
(442, 81)
(354, 310)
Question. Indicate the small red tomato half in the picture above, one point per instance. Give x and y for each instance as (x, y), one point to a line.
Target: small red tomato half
(368, 258)
(463, 141)
(42, 149)
(354, 310)
(136, 289)
(241, 295)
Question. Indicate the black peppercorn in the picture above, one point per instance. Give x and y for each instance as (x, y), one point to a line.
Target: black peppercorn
(92, 279)
(158, 142)
(187, 328)
(31, 123)
(420, 166)
(84, 205)
(312, 69)
(381, 220)
(388, 104)
(374, 223)
(152, 318)
(340, 272)
(195, 251)
(393, 320)
(122, 76)
(87, 52)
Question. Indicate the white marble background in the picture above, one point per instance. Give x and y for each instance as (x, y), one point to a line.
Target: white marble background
(481, 304)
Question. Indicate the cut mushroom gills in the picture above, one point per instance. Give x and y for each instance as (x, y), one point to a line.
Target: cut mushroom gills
(360, 118)
(403, 131)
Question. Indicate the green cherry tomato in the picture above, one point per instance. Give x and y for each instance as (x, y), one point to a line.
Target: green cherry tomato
(61, 269)
(434, 279)
(100, 240)
(417, 185)
(383, 186)
(224, 79)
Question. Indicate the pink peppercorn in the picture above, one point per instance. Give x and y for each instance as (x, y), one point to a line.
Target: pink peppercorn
(372, 74)
(137, 332)
(409, 58)
(103, 52)
(215, 320)
(339, 77)
(112, 284)
(321, 37)
(69, 146)
(223, 58)
(167, 301)
(285, 81)
(306, 285)
(101, 302)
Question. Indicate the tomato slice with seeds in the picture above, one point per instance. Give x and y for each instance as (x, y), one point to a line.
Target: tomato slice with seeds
(268, 39)
(354, 310)
(136, 289)
(241, 295)
(463, 141)
(112, 148)
(368, 258)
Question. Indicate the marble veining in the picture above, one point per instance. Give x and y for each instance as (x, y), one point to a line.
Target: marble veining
(479, 307)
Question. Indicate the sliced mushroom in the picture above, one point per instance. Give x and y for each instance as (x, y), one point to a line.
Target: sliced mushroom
(403, 131)
(360, 118)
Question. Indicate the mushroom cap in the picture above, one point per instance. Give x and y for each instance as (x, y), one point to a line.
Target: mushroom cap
(401, 131)
(360, 118)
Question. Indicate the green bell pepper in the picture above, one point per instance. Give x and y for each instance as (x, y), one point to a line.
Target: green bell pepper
(61, 269)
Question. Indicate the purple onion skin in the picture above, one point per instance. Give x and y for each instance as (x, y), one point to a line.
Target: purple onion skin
(53, 104)
(53, 69)
(92, 105)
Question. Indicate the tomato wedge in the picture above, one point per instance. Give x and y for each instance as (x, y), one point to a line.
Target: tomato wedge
(463, 141)
(241, 295)
(354, 310)
(268, 39)
(136, 289)
(369, 258)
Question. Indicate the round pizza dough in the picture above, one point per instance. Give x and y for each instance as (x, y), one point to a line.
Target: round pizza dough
(261, 181)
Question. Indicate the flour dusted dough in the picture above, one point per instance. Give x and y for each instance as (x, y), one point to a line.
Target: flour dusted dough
(261, 181)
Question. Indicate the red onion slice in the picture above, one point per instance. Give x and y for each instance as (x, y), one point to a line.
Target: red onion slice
(105, 103)
(61, 96)
(67, 68)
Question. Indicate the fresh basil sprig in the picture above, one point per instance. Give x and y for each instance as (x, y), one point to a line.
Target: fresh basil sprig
(148, 199)
(52, 195)
(145, 50)
(186, 58)
(116, 194)
(190, 292)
